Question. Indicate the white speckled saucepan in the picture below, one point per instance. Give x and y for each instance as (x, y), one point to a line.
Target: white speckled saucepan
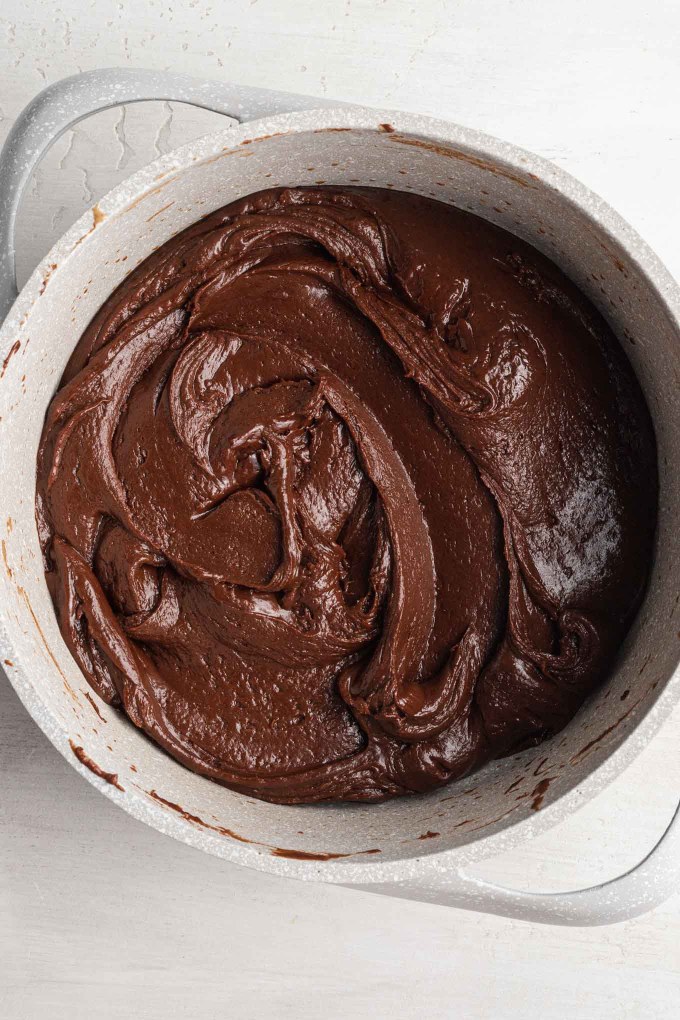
(416, 848)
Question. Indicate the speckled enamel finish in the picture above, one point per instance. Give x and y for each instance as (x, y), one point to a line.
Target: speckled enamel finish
(425, 842)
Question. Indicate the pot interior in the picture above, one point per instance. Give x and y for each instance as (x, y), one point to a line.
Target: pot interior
(79, 275)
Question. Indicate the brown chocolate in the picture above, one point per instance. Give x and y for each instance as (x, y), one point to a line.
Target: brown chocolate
(84, 759)
(345, 492)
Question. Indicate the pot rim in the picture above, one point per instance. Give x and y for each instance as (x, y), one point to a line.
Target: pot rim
(468, 141)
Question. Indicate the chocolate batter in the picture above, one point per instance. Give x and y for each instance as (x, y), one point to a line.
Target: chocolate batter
(345, 492)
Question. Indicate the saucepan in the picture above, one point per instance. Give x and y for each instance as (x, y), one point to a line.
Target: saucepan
(418, 847)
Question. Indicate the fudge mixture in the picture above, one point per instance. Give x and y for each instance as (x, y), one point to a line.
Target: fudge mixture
(345, 492)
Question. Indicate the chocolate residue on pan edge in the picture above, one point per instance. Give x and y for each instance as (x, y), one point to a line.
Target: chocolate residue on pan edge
(466, 157)
(298, 855)
(84, 759)
(8, 569)
(98, 216)
(48, 275)
(94, 705)
(180, 810)
(345, 492)
(199, 821)
(587, 748)
(67, 687)
(515, 784)
(10, 354)
(303, 855)
(539, 794)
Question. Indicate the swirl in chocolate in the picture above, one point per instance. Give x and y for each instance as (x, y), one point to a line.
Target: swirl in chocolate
(345, 492)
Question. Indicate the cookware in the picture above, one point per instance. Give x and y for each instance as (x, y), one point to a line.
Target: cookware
(426, 842)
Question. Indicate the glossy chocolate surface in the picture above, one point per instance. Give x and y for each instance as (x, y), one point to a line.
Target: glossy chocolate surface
(345, 492)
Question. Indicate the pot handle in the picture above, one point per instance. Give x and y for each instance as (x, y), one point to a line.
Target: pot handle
(71, 100)
(644, 886)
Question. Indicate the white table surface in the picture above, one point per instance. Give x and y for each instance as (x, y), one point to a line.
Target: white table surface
(101, 917)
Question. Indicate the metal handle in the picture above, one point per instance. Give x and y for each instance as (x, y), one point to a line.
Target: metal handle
(71, 100)
(646, 885)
